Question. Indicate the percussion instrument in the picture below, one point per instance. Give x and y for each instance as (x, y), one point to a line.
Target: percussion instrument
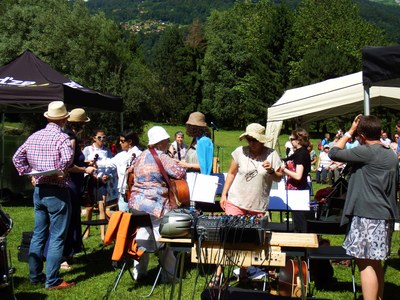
(5, 223)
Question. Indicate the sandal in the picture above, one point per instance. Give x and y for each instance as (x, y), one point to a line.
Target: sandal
(215, 281)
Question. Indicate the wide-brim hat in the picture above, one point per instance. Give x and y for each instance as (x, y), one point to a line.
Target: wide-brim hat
(78, 115)
(56, 111)
(157, 134)
(255, 131)
(197, 119)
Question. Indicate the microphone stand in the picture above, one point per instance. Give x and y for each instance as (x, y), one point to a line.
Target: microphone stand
(214, 128)
(286, 202)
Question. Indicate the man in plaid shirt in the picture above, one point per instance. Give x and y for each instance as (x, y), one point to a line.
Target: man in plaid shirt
(48, 149)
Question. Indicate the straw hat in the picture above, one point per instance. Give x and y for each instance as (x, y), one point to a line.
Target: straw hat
(56, 111)
(78, 115)
(256, 131)
(197, 119)
(157, 134)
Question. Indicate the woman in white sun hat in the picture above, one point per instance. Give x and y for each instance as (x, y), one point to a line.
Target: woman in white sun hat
(150, 194)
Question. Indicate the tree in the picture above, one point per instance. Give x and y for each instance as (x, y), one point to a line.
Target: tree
(196, 44)
(327, 39)
(91, 50)
(241, 64)
(178, 55)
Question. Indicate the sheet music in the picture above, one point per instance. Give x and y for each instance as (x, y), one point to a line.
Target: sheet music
(45, 173)
(297, 199)
(202, 187)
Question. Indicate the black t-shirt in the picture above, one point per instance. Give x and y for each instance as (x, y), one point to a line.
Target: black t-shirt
(301, 157)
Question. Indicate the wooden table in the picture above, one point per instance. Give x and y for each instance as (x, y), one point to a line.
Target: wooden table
(248, 254)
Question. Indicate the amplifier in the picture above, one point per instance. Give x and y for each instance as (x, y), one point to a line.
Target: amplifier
(177, 223)
(230, 229)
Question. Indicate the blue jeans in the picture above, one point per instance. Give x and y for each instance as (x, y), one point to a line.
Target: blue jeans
(324, 173)
(52, 209)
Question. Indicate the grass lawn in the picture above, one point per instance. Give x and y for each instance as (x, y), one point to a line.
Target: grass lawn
(94, 274)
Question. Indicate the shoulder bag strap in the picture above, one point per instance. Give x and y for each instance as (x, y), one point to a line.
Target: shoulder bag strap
(164, 174)
(160, 166)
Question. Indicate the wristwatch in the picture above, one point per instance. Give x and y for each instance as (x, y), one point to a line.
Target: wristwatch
(272, 171)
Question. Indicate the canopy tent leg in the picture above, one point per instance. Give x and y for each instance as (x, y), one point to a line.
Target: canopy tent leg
(122, 121)
(2, 154)
(366, 100)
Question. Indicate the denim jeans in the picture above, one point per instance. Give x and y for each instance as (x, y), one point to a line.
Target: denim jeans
(52, 209)
(324, 172)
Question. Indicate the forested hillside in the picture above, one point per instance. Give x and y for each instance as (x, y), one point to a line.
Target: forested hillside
(383, 13)
(175, 11)
(232, 63)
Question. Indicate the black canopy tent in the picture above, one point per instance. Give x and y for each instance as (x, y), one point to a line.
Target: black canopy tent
(28, 85)
(380, 67)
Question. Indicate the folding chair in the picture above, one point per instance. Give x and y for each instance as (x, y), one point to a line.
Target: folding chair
(96, 222)
(329, 252)
(335, 199)
(138, 219)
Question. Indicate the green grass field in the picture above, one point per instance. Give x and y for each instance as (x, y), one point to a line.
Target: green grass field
(94, 274)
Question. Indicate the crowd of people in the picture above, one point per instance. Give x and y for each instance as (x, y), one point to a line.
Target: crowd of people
(61, 167)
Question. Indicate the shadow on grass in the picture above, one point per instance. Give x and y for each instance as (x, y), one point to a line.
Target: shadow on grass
(84, 268)
(16, 200)
(391, 291)
(30, 296)
(95, 263)
(335, 286)
(394, 263)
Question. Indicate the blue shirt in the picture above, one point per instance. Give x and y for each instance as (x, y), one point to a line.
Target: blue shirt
(205, 152)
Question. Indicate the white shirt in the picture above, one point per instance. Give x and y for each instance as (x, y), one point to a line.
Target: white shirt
(121, 162)
(386, 141)
(289, 145)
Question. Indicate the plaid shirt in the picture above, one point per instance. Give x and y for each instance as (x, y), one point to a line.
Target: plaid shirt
(46, 149)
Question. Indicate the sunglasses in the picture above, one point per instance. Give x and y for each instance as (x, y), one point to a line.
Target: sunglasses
(250, 140)
(292, 138)
(100, 138)
(122, 141)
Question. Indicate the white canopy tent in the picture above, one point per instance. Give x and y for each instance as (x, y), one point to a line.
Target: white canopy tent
(327, 99)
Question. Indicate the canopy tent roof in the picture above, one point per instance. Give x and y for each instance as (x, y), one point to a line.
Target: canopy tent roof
(330, 98)
(381, 66)
(27, 84)
(327, 99)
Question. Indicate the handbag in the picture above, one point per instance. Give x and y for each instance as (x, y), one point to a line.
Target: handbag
(178, 188)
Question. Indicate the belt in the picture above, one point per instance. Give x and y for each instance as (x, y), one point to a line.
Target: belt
(49, 185)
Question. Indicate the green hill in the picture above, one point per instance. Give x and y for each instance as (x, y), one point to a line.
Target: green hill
(383, 13)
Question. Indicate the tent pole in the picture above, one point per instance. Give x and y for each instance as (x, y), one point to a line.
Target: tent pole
(2, 153)
(366, 100)
(122, 121)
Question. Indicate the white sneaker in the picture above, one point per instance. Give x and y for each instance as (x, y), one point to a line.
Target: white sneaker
(138, 276)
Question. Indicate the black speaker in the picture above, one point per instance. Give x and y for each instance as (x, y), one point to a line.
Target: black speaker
(23, 249)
